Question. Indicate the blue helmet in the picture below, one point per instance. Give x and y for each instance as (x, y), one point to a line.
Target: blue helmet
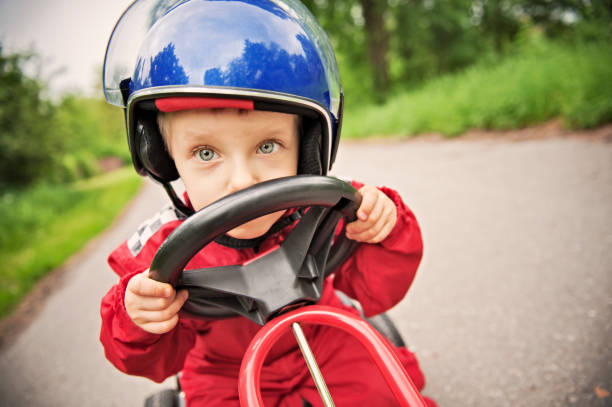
(271, 53)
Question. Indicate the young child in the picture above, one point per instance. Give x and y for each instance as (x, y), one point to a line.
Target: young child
(224, 95)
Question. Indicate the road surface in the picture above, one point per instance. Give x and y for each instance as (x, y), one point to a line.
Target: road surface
(512, 305)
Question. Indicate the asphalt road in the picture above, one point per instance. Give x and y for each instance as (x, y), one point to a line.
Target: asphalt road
(512, 305)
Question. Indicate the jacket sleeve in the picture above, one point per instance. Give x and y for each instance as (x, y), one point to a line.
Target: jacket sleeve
(379, 275)
(131, 349)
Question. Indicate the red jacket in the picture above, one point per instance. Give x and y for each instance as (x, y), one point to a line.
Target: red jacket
(209, 352)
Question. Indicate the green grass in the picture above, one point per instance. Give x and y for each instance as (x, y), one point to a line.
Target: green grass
(44, 225)
(535, 84)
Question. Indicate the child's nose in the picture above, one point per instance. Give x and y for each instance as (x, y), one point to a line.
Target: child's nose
(242, 177)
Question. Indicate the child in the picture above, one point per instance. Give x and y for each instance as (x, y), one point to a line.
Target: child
(224, 95)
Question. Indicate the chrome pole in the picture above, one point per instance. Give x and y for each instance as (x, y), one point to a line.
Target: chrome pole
(315, 372)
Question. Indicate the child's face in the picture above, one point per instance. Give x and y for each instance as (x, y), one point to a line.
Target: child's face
(218, 152)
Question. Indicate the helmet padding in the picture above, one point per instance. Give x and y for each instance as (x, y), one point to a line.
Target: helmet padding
(151, 149)
(310, 147)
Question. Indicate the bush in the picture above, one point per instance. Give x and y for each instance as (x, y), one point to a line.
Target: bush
(28, 149)
(43, 225)
(537, 82)
(89, 130)
(45, 142)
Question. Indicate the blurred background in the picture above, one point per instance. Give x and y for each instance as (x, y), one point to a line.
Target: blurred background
(408, 67)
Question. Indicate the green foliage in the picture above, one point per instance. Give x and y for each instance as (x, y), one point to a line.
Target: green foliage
(89, 130)
(27, 145)
(427, 38)
(44, 147)
(343, 22)
(587, 20)
(539, 81)
(432, 38)
(588, 100)
(43, 225)
(41, 141)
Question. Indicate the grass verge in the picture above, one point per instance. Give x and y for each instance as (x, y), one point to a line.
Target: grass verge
(44, 225)
(535, 84)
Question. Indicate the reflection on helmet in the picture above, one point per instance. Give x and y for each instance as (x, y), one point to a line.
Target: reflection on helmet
(270, 51)
(259, 50)
(164, 69)
(211, 34)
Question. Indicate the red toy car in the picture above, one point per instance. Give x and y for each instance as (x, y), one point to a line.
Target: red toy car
(279, 288)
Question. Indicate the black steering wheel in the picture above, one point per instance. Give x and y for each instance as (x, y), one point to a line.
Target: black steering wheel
(282, 279)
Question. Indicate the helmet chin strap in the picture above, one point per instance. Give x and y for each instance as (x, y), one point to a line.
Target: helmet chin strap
(179, 205)
(239, 243)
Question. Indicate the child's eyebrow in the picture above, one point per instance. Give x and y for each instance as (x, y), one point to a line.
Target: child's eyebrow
(190, 140)
(279, 128)
(277, 132)
(196, 134)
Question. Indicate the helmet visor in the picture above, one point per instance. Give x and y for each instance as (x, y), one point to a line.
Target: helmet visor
(125, 41)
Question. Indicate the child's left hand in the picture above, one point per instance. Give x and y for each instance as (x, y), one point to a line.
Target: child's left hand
(376, 217)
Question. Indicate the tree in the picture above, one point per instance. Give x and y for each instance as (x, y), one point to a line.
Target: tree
(374, 12)
(499, 20)
(344, 22)
(589, 19)
(430, 38)
(27, 145)
(381, 44)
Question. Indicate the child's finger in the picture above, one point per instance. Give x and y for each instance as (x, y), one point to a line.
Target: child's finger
(386, 225)
(142, 285)
(167, 313)
(359, 226)
(378, 231)
(375, 212)
(365, 234)
(368, 201)
(148, 303)
(382, 234)
(161, 327)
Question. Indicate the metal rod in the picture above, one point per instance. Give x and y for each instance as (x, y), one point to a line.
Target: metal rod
(315, 372)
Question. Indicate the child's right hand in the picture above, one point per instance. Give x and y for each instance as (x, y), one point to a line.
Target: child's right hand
(152, 305)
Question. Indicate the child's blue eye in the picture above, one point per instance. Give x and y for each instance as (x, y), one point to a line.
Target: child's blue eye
(206, 154)
(268, 147)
